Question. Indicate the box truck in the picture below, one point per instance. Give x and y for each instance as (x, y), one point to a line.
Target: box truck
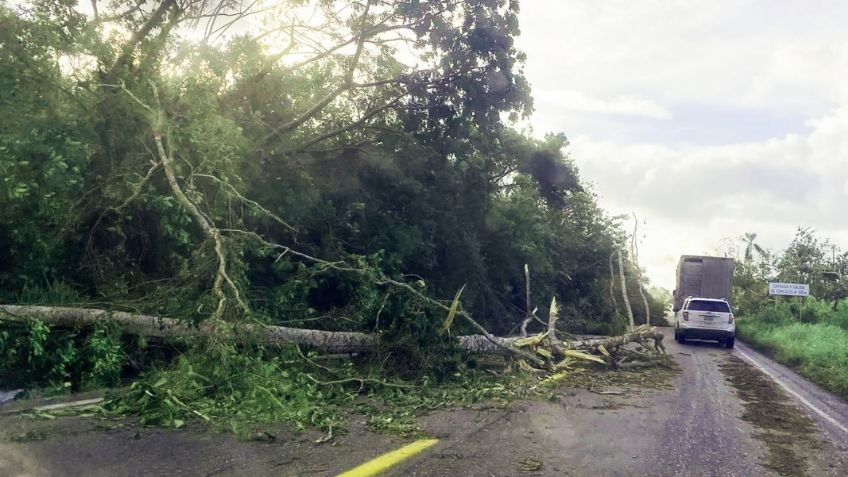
(703, 277)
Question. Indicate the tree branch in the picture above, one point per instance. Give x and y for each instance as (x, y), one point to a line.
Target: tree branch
(383, 280)
(624, 296)
(138, 35)
(634, 252)
(254, 204)
(335, 132)
(208, 229)
(278, 336)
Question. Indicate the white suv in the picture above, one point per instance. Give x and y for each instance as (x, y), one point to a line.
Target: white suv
(705, 318)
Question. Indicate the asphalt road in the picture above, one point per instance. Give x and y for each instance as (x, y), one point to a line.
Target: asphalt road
(700, 426)
(719, 415)
(829, 411)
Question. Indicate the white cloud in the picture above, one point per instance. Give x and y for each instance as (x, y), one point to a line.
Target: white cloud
(621, 105)
(708, 118)
(781, 56)
(694, 197)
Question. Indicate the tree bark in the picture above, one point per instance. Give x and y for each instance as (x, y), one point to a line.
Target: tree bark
(211, 232)
(645, 302)
(528, 315)
(624, 290)
(634, 252)
(139, 35)
(612, 283)
(148, 325)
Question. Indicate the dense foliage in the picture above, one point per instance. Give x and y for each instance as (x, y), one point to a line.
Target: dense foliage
(807, 259)
(290, 165)
(811, 333)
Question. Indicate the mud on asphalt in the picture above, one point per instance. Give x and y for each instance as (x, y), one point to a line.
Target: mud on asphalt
(789, 434)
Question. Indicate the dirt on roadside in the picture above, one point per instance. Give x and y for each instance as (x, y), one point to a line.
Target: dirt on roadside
(790, 436)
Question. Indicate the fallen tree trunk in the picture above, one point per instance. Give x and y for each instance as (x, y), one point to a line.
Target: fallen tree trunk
(641, 335)
(330, 341)
(148, 325)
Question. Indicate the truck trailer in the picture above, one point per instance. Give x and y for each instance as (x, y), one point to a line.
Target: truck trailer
(703, 277)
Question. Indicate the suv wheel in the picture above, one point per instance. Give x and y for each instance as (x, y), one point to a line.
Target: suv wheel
(680, 338)
(730, 342)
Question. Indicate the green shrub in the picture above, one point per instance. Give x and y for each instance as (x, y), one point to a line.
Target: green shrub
(840, 317)
(241, 389)
(219, 382)
(35, 355)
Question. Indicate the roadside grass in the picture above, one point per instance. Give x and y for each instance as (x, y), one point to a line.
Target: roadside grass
(818, 351)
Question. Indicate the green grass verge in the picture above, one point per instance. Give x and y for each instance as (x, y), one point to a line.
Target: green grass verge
(818, 351)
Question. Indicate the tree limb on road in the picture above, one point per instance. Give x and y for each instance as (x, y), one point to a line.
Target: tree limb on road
(149, 325)
(331, 341)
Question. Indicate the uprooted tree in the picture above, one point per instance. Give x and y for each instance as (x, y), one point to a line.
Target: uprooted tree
(319, 166)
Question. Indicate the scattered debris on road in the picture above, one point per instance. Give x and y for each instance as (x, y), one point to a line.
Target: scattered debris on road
(789, 435)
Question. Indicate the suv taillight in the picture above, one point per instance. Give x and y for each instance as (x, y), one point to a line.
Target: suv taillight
(730, 320)
(685, 316)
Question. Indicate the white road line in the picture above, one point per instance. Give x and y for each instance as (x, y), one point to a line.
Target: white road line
(797, 396)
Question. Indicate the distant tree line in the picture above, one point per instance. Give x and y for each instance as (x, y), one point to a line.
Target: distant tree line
(808, 258)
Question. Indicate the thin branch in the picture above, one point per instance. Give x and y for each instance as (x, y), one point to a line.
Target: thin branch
(634, 252)
(376, 83)
(269, 64)
(528, 315)
(209, 230)
(138, 189)
(361, 381)
(219, 32)
(335, 132)
(153, 168)
(248, 201)
(138, 35)
(612, 282)
(624, 296)
(120, 16)
(364, 36)
(128, 92)
(346, 84)
(384, 280)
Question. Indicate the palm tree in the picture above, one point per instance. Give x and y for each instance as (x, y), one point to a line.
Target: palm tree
(750, 246)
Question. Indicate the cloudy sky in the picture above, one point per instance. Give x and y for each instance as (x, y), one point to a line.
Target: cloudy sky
(707, 118)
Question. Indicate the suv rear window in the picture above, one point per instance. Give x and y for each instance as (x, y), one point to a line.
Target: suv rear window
(714, 306)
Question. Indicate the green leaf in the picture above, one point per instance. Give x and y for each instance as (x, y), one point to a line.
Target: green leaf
(451, 312)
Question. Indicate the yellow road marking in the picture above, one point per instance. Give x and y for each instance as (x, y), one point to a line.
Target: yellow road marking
(383, 462)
